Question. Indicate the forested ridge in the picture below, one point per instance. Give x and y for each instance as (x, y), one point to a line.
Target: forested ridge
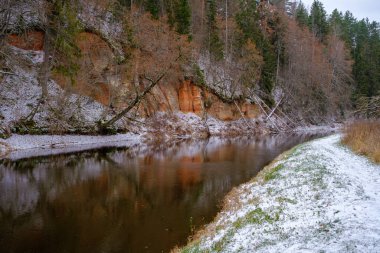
(303, 66)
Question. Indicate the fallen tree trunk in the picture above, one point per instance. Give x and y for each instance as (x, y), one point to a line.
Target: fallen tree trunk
(138, 98)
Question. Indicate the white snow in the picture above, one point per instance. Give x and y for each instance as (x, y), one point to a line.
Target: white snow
(320, 129)
(20, 146)
(318, 197)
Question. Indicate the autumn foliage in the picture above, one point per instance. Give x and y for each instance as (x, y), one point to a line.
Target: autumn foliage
(315, 77)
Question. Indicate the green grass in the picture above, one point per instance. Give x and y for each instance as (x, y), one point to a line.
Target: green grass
(192, 249)
(257, 216)
(287, 200)
(273, 173)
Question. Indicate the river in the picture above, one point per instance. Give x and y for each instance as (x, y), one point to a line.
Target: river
(125, 200)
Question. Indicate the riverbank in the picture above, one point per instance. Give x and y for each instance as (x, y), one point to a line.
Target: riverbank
(189, 126)
(19, 146)
(317, 197)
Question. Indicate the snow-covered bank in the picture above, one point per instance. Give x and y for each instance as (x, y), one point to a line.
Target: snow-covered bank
(160, 129)
(325, 129)
(19, 146)
(318, 197)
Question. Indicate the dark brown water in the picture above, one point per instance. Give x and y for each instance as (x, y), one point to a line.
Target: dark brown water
(124, 200)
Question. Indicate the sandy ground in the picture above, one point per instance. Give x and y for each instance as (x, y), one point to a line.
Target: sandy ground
(318, 197)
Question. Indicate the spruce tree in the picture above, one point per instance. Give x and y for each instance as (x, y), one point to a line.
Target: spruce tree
(153, 6)
(335, 23)
(366, 54)
(318, 20)
(182, 17)
(302, 15)
(348, 25)
(213, 41)
(248, 22)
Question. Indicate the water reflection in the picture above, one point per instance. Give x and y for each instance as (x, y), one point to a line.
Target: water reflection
(120, 200)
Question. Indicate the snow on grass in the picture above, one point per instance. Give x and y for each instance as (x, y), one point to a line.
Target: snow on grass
(321, 129)
(318, 197)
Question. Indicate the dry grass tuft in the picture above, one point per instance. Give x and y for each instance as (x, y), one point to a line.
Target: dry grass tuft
(363, 137)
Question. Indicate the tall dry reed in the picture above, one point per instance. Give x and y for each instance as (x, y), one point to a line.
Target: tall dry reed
(363, 137)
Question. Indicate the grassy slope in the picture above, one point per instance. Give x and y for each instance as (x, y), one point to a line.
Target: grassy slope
(310, 199)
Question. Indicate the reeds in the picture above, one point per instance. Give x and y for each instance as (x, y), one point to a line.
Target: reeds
(363, 137)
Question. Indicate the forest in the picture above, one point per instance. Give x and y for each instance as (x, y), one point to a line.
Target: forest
(298, 66)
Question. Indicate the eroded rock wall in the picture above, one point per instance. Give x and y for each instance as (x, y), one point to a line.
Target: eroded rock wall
(102, 79)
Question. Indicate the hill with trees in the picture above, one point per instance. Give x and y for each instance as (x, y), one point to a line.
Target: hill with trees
(271, 63)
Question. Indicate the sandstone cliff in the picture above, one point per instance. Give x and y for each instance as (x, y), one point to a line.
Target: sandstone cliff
(108, 74)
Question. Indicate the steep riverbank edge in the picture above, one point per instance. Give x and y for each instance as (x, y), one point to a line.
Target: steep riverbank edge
(17, 146)
(319, 196)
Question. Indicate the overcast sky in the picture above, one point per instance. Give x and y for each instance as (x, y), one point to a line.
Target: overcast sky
(359, 8)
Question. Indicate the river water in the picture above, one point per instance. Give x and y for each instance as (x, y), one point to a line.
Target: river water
(125, 200)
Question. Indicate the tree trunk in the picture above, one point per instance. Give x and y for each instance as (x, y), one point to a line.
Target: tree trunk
(226, 42)
(44, 71)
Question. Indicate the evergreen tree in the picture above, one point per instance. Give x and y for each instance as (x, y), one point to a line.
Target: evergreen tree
(348, 25)
(248, 22)
(336, 26)
(302, 15)
(170, 11)
(336, 22)
(214, 43)
(366, 54)
(125, 3)
(182, 17)
(318, 20)
(153, 6)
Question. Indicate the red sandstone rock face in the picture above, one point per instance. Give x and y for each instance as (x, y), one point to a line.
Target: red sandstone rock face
(33, 40)
(98, 67)
(95, 63)
(190, 98)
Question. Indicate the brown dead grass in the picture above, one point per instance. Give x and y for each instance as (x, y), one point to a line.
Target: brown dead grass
(363, 137)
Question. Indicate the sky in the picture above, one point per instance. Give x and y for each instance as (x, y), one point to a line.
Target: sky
(359, 8)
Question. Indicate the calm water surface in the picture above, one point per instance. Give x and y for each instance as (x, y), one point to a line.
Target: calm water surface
(122, 200)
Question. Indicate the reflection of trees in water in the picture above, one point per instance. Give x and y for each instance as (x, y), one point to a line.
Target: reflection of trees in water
(120, 199)
(22, 182)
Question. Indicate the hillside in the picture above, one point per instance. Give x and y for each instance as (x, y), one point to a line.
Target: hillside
(89, 66)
